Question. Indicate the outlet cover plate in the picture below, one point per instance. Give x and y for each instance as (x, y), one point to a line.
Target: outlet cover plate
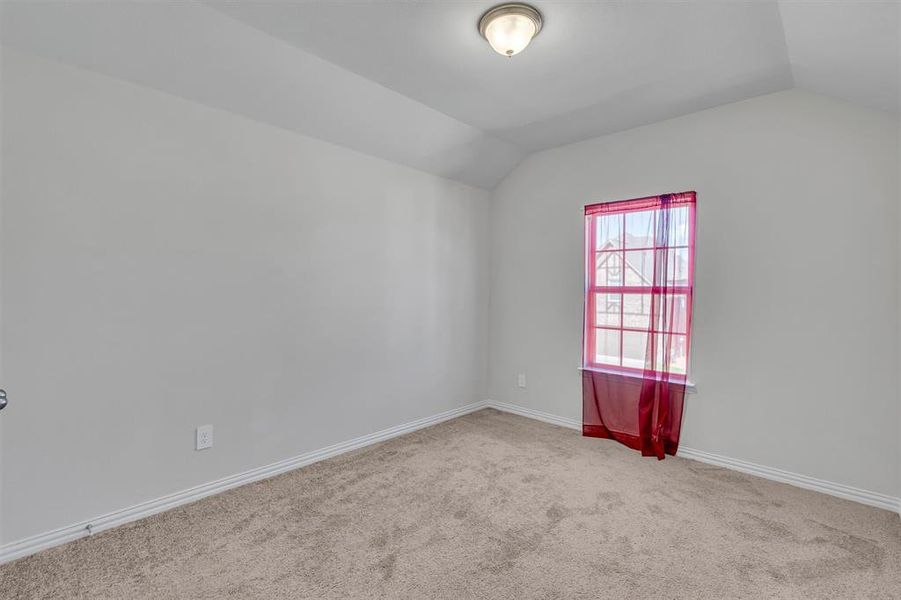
(204, 437)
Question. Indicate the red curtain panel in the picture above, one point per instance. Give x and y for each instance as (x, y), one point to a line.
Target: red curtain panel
(639, 278)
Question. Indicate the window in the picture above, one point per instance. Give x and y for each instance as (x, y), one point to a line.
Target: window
(639, 273)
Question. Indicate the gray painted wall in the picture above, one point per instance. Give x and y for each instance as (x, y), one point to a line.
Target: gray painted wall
(795, 347)
(166, 265)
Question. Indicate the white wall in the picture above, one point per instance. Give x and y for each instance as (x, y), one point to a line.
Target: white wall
(795, 347)
(167, 265)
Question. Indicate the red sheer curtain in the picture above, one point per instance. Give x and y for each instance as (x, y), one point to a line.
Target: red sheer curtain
(639, 257)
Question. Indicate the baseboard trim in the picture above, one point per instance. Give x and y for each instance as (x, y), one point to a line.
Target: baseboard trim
(21, 548)
(839, 490)
(535, 414)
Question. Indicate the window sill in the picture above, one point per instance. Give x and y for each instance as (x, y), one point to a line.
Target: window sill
(690, 387)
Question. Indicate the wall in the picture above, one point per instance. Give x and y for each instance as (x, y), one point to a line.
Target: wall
(166, 265)
(795, 347)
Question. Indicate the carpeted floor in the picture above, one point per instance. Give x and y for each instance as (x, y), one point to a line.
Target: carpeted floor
(489, 505)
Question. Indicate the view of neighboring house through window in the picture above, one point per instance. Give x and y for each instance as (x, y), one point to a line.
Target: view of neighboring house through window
(639, 260)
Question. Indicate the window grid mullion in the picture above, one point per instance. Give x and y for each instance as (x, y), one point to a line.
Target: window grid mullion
(637, 248)
(636, 329)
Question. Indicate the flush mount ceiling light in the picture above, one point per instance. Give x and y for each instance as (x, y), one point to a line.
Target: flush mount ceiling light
(510, 27)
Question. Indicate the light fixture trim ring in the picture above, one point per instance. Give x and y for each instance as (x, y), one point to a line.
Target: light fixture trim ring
(511, 8)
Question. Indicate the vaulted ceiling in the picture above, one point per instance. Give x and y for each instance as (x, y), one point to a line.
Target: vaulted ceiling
(414, 83)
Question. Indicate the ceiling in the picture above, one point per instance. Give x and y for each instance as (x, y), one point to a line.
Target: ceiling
(412, 81)
(595, 65)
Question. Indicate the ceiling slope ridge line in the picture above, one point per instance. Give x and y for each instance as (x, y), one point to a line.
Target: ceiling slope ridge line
(522, 150)
(675, 117)
(247, 72)
(239, 115)
(486, 132)
(788, 60)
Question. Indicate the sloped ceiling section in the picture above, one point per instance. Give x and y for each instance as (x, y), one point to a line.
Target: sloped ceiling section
(595, 68)
(196, 52)
(848, 50)
(412, 82)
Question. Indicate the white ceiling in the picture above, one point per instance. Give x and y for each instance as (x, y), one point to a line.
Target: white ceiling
(412, 81)
(849, 50)
(595, 67)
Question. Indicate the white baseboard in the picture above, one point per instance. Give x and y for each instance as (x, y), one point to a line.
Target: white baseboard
(24, 547)
(839, 490)
(20, 548)
(535, 414)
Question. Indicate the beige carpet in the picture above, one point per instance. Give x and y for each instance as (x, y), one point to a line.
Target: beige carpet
(490, 505)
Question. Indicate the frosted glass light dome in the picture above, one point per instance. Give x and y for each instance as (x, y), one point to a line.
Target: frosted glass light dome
(510, 27)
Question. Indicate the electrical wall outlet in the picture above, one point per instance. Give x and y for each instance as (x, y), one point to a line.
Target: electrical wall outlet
(521, 380)
(204, 437)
